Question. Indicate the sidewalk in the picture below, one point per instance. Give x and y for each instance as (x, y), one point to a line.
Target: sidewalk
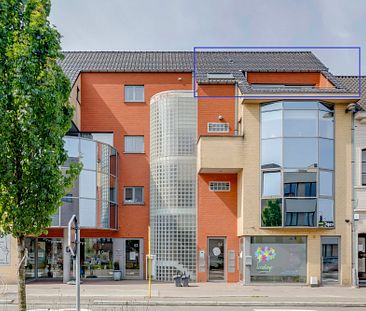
(199, 294)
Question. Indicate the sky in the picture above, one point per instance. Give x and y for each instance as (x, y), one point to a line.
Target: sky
(182, 24)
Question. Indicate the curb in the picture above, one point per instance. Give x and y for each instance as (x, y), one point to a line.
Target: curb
(208, 303)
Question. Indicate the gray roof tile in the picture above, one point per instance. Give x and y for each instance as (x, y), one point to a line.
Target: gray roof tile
(351, 83)
(236, 63)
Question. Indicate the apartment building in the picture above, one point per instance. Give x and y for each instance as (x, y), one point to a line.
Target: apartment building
(241, 168)
(359, 179)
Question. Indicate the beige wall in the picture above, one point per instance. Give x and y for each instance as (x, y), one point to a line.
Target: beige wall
(211, 159)
(9, 272)
(249, 189)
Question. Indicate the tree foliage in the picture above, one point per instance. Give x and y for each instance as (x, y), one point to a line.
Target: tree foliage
(34, 117)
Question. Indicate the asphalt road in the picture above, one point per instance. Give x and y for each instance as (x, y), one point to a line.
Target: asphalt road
(138, 308)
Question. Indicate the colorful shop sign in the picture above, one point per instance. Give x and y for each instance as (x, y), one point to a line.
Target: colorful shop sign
(264, 256)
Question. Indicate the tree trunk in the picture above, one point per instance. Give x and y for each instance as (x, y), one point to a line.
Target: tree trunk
(22, 298)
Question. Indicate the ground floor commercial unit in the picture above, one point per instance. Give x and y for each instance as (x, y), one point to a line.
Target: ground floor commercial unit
(248, 259)
(303, 259)
(48, 258)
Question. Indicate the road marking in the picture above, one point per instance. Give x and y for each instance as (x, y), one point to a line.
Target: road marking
(283, 310)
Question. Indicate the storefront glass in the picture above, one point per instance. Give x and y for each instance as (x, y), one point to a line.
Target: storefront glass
(278, 259)
(96, 258)
(45, 258)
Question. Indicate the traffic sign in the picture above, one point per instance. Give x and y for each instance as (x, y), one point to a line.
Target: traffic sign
(72, 235)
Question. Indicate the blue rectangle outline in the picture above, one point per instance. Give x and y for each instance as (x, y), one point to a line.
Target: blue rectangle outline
(358, 48)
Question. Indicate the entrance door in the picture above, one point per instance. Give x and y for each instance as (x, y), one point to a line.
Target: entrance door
(362, 257)
(216, 259)
(133, 259)
(330, 259)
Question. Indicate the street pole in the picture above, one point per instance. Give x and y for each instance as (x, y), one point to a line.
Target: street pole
(77, 274)
(149, 263)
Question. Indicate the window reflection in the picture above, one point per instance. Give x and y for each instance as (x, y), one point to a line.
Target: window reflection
(326, 124)
(326, 217)
(272, 124)
(300, 212)
(271, 184)
(300, 123)
(272, 213)
(301, 104)
(326, 153)
(271, 153)
(303, 154)
(326, 183)
(93, 198)
(88, 154)
(299, 184)
(300, 152)
(271, 106)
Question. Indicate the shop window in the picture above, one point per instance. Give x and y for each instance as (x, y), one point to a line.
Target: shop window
(278, 259)
(134, 195)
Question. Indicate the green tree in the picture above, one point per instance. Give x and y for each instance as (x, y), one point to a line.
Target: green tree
(271, 213)
(34, 117)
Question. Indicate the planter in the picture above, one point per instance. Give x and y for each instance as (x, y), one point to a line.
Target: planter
(117, 275)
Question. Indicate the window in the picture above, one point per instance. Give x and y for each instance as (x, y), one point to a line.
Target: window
(363, 167)
(134, 93)
(67, 198)
(265, 86)
(220, 76)
(217, 127)
(297, 160)
(78, 94)
(134, 195)
(271, 184)
(278, 259)
(219, 186)
(134, 144)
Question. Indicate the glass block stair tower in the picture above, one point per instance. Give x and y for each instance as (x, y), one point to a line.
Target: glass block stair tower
(173, 122)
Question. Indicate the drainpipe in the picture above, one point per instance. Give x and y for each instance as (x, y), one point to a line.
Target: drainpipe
(236, 99)
(353, 238)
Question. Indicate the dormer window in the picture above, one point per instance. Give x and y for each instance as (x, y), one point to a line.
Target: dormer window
(220, 76)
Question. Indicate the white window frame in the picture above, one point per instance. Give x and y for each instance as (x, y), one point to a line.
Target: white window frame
(133, 152)
(133, 201)
(214, 127)
(134, 100)
(214, 186)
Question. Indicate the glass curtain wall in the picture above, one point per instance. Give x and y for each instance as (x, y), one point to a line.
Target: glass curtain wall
(94, 195)
(297, 161)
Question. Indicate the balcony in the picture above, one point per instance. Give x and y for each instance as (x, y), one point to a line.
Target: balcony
(220, 154)
(93, 199)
